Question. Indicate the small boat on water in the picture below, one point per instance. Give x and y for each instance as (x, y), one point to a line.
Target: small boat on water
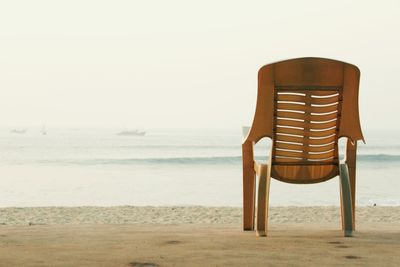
(43, 131)
(132, 133)
(18, 131)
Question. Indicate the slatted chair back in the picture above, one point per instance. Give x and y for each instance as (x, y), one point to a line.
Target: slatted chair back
(305, 105)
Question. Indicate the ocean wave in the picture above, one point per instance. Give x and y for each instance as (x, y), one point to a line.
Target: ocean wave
(175, 160)
(378, 157)
(223, 160)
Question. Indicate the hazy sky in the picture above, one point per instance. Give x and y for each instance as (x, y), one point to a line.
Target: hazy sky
(155, 64)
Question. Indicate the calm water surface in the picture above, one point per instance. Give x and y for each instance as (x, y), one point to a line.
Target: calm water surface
(74, 167)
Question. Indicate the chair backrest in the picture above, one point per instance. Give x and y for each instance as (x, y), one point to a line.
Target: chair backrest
(305, 105)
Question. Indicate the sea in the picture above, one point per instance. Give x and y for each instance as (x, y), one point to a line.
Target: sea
(169, 167)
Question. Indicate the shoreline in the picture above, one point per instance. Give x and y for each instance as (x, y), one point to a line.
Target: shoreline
(186, 215)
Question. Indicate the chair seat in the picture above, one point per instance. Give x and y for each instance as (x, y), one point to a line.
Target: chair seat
(304, 174)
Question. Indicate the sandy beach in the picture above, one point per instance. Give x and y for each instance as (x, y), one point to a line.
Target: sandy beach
(194, 236)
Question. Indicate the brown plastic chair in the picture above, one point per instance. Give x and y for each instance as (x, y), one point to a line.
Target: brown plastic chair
(304, 105)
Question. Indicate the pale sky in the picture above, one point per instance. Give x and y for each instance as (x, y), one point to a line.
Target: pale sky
(186, 64)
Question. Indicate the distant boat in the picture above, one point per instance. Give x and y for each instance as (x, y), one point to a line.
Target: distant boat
(132, 133)
(18, 131)
(43, 131)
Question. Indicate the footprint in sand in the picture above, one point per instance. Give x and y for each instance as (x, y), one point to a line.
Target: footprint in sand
(352, 257)
(143, 264)
(171, 242)
(335, 242)
(342, 246)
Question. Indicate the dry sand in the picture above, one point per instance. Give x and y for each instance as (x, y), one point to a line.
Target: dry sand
(194, 236)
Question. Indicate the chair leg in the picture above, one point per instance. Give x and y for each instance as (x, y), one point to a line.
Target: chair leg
(351, 158)
(352, 178)
(263, 201)
(248, 200)
(345, 201)
(249, 186)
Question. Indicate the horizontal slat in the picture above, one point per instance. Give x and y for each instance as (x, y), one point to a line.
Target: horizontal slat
(322, 125)
(288, 146)
(287, 138)
(306, 88)
(322, 133)
(284, 153)
(290, 123)
(294, 98)
(290, 131)
(292, 115)
(320, 148)
(302, 124)
(315, 161)
(291, 106)
(303, 133)
(323, 93)
(325, 109)
(321, 156)
(325, 100)
(312, 109)
(323, 117)
(284, 159)
(321, 141)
